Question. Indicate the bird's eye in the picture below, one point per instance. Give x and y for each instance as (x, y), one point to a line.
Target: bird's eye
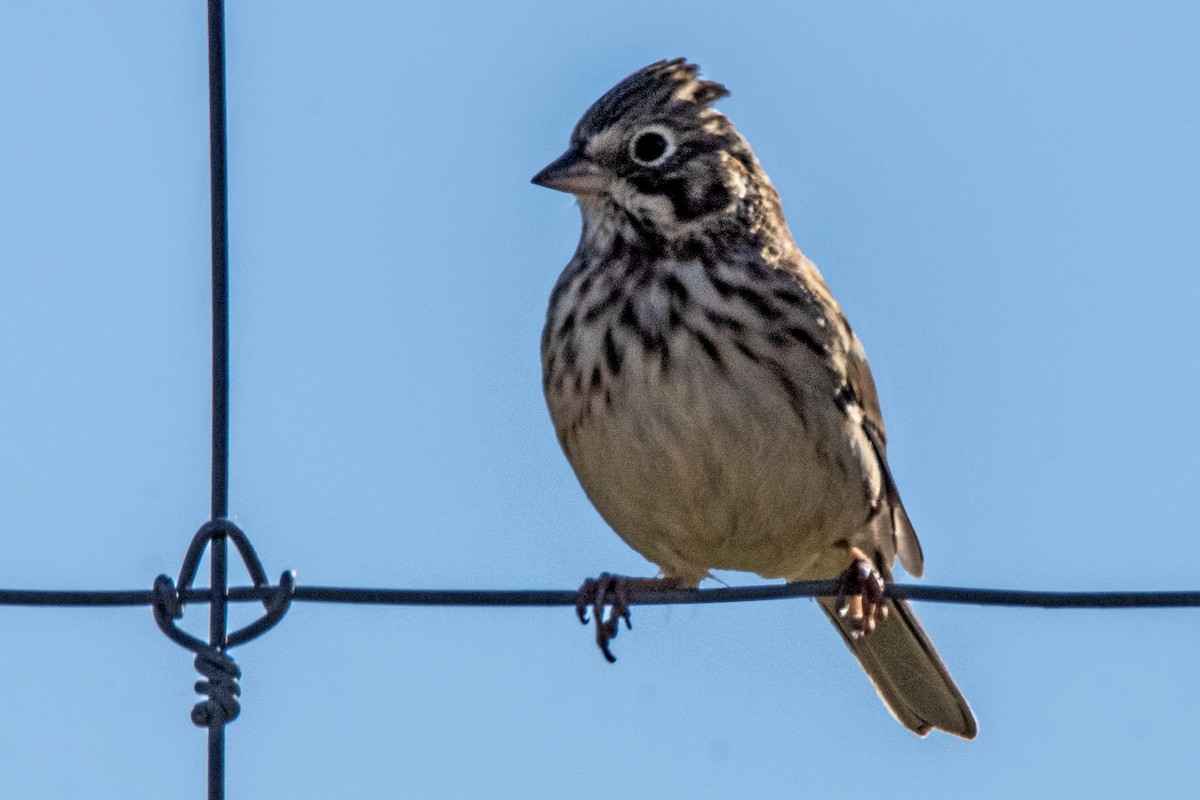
(652, 146)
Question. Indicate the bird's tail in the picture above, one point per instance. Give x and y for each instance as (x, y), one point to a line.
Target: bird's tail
(907, 672)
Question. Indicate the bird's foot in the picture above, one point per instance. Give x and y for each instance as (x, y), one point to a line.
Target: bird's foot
(860, 599)
(613, 592)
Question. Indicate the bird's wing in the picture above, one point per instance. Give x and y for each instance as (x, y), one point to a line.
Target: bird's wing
(857, 390)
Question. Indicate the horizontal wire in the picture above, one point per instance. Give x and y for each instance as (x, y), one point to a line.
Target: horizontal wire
(552, 597)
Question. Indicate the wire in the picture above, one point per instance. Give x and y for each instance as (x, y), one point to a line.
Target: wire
(215, 664)
(553, 597)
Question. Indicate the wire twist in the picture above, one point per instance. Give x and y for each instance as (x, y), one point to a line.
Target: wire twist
(221, 688)
(220, 671)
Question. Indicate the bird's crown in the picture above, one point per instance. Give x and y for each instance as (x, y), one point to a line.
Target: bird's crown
(669, 88)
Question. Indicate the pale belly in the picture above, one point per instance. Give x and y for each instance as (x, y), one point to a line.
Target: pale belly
(717, 470)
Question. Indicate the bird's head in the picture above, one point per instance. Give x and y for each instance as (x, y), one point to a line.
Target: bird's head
(654, 148)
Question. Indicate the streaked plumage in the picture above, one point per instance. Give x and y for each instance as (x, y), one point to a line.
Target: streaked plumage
(705, 385)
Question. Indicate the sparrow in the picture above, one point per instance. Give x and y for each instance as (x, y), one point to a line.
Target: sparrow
(709, 393)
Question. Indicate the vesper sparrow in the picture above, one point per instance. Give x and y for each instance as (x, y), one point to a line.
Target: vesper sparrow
(709, 392)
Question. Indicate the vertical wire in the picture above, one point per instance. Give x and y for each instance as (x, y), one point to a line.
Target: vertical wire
(220, 260)
(220, 366)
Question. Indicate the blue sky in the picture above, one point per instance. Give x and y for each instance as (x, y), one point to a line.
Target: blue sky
(1004, 197)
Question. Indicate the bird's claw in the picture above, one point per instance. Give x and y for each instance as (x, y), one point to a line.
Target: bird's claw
(861, 599)
(605, 590)
(615, 592)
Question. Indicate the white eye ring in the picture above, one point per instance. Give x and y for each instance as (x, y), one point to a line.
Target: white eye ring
(655, 132)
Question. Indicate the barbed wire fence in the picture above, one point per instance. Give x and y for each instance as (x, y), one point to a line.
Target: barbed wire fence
(220, 674)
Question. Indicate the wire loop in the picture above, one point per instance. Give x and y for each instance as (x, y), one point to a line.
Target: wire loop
(276, 605)
(167, 596)
(167, 605)
(220, 672)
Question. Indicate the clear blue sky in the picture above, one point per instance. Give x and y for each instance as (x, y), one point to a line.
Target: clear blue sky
(1005, 198)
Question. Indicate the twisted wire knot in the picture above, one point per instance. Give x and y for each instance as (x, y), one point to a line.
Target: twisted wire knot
(220, 672)
(221, 687)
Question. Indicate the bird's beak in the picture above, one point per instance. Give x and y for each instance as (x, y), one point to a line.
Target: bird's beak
(575, 173)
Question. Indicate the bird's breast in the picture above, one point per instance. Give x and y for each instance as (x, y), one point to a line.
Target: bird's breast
(704, 441)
